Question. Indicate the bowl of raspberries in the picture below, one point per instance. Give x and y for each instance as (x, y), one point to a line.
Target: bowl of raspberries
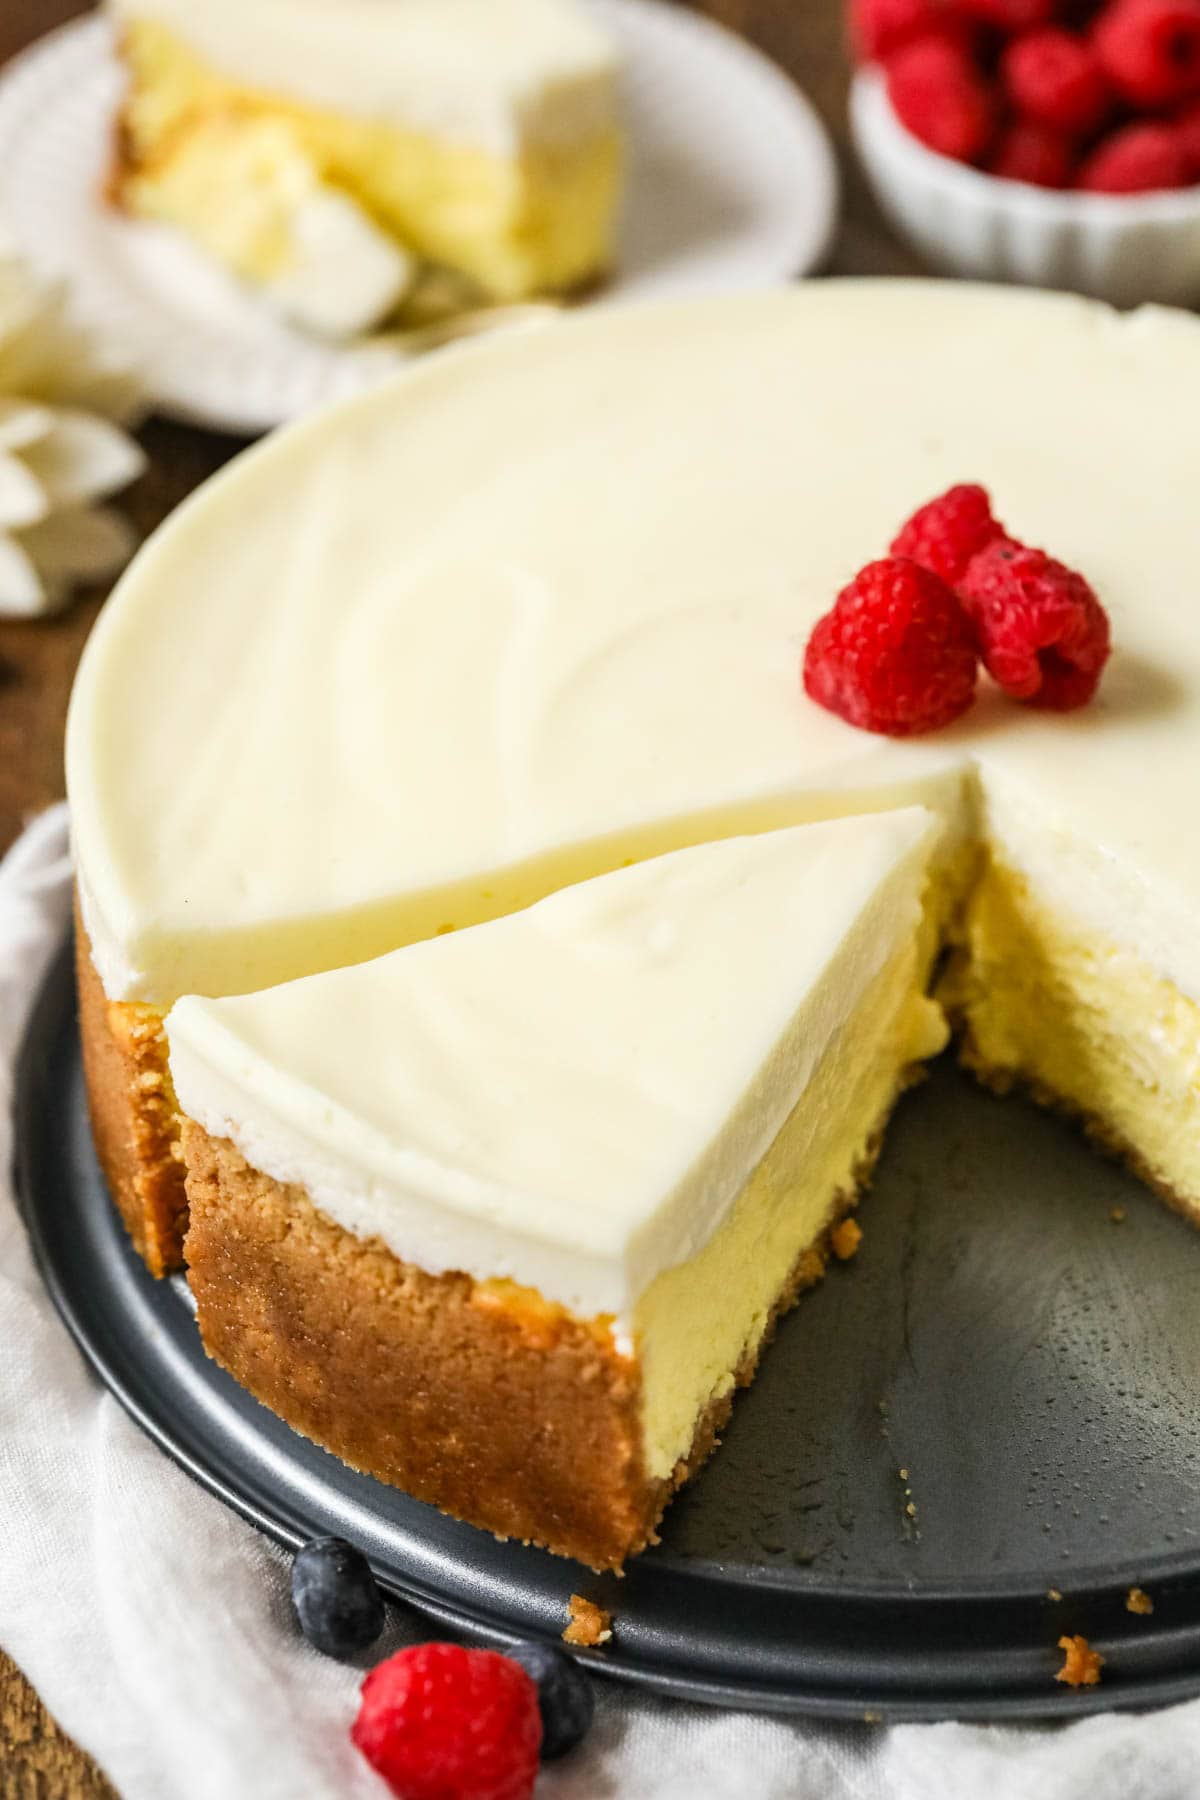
(1054, 142)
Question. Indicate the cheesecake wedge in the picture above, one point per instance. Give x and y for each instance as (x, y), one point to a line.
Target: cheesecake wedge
(505, 1217)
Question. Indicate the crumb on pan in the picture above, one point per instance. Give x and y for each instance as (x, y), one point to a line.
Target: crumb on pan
(1137, 1600)
(590, 1625)
(845, 1238)
(1081, 1665)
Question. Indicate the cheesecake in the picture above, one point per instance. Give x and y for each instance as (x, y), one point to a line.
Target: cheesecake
(333, 152)
(562, 1170)
(532, 616)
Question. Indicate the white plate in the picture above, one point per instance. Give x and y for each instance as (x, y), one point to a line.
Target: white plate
(732, 185)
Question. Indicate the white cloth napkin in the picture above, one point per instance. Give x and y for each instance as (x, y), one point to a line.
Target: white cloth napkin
(157, 1627)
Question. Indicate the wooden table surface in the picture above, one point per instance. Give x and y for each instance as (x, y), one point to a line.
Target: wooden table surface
(37, 660)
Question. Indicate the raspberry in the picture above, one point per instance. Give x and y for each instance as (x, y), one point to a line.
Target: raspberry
(896, 654)
(1057, 79)
(1187, 135)
(1150, 49)
(442, 1723)
(937, 92)
(1042, 633)
(946, 533)
(878, 27)
(1033, 153)
(1009, 15)
(1138, 159)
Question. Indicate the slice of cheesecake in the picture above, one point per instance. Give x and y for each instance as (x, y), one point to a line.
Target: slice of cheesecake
(504, 1217)
(319, 147)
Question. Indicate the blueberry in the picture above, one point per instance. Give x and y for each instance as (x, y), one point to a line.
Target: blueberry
(339, 1607)
(564, 1695)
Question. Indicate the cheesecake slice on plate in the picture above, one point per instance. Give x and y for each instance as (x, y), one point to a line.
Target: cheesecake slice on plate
(506, 1216)
(327, 150)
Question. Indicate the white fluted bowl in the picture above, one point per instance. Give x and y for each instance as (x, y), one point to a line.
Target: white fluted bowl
(1126, 249)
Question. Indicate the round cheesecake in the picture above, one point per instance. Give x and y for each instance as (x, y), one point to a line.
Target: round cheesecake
(532, 617)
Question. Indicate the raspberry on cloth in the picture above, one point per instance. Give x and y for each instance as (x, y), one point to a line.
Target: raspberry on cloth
(437, 1720)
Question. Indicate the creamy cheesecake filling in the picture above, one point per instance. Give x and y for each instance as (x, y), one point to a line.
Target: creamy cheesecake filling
(573, 1097)
(1033, 831)
(702, 1322)
(1044, 999)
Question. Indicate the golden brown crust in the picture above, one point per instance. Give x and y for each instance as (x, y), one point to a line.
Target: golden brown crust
(590, 1626)
(845, 1241)
(133, 1115)
(424, 1380)
(532, 1434)
(1081, 1664)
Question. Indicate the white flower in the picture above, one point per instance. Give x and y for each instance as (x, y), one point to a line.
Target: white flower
(62, 449)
